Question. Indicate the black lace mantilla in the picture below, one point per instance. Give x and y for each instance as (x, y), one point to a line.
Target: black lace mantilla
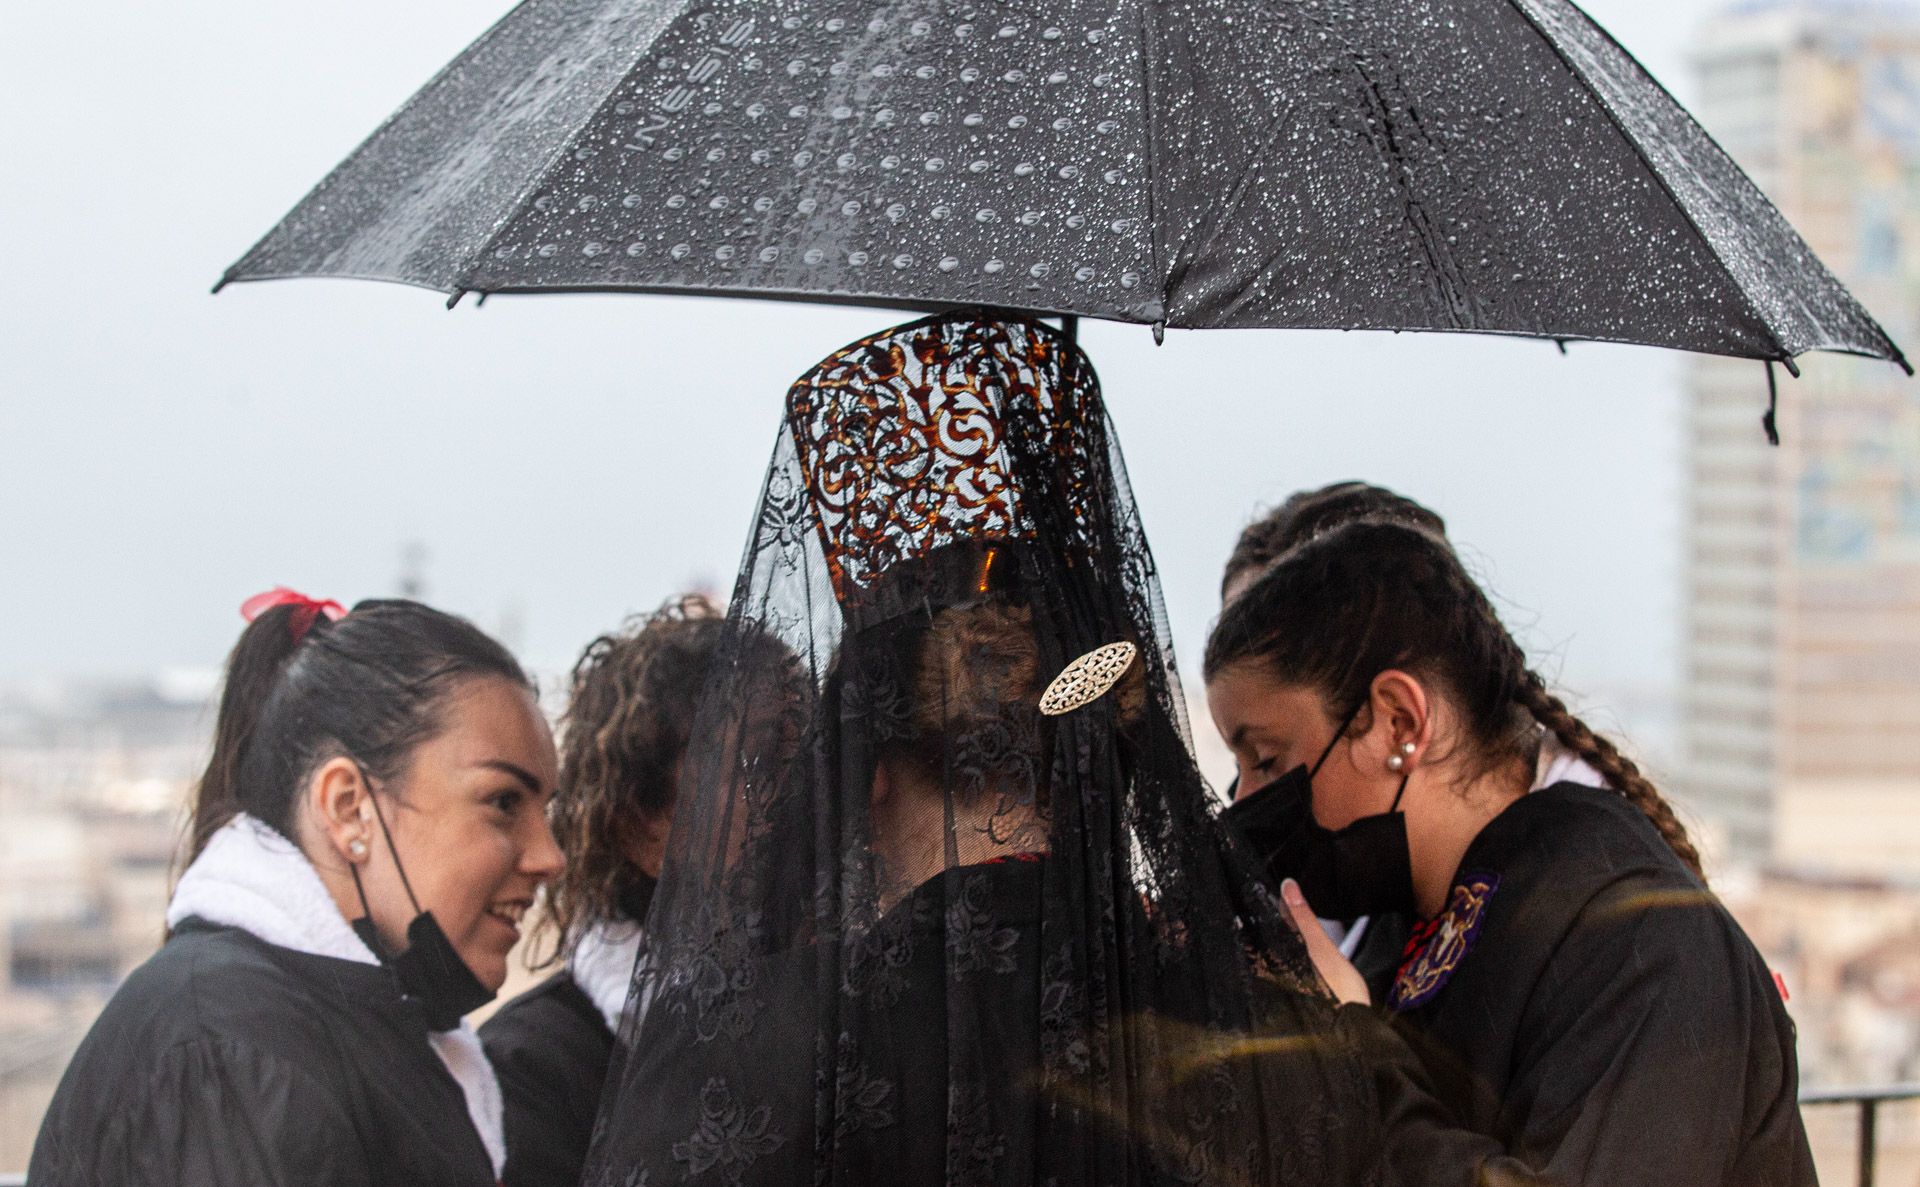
(910, 931)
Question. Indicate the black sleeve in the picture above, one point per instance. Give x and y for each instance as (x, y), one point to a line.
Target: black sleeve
(552, 1063)
(1653, 1053)
(211, 1112)
(1657, 1050)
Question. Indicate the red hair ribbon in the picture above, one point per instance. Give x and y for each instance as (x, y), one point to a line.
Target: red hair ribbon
(305, 609)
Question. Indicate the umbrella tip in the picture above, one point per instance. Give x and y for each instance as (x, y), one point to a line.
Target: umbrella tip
(455, 298)
(1792, 367)
(1562, 344)
(222, 283)
(1160, 333)
(1904, 364)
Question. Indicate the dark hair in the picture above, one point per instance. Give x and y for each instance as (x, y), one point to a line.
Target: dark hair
(630, 713)
(370, 686)
(1307, 513)
(1350, 603)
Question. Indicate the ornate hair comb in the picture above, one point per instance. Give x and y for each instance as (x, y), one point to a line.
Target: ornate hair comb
(1088, 678)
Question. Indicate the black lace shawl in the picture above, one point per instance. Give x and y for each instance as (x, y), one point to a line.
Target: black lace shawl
(911, 930)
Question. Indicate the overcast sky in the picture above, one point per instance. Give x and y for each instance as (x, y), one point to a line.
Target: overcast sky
(568, 460)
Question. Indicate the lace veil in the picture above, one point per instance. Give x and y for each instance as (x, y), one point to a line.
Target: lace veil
(911, 929)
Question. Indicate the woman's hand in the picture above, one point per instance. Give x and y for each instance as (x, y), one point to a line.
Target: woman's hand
(1336, 970)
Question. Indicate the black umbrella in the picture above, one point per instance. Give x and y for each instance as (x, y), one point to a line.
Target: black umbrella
(1495, 166)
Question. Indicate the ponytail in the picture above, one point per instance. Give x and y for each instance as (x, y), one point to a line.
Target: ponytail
(1620, 772)
(253, 668)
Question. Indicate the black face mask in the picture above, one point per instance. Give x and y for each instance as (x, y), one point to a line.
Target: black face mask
(1362, 869)
(429, 970)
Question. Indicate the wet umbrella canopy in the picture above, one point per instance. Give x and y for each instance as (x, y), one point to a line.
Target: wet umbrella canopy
(1498, 166)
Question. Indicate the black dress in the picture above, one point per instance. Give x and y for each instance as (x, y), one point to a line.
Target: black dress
(1584, 1012)
(224, 1060)
(550, 1047)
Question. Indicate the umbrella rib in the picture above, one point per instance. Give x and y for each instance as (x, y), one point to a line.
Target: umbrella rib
(539, 176)
(399, 113)
(1646, 162)
(1149, 44)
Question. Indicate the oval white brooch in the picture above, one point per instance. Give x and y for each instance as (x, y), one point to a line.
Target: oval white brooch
(1088, 678)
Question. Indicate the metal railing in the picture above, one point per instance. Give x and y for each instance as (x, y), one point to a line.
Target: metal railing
(1869, 1100)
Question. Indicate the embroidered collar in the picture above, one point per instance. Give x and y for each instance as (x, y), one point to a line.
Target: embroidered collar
(1437, 946)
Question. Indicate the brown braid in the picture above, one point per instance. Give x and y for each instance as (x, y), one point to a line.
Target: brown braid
(1620, 772)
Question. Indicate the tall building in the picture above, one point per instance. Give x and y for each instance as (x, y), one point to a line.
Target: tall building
(1802, 693)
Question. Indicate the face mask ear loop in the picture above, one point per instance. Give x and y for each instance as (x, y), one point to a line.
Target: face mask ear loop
(1395, 807)
(366, 908)
(1335, 740)
(382, 818)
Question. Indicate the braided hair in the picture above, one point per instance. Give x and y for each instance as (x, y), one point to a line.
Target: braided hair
(1307, 513)
(1374, 594)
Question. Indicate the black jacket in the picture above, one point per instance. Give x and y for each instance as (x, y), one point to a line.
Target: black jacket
(1591, 1016)
(550, 1047)
(224, 1060)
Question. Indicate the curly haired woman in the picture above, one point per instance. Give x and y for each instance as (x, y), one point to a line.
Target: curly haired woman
(624, 732)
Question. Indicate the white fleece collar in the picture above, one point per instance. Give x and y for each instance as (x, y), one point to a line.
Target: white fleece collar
(602, 965)
(251, 878)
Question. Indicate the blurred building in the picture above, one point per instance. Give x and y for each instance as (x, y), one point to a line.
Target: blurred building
(1802, 699)
(92, 782)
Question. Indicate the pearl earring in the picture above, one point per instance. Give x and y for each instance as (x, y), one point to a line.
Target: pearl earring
(1395, 762)
(357, 847)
